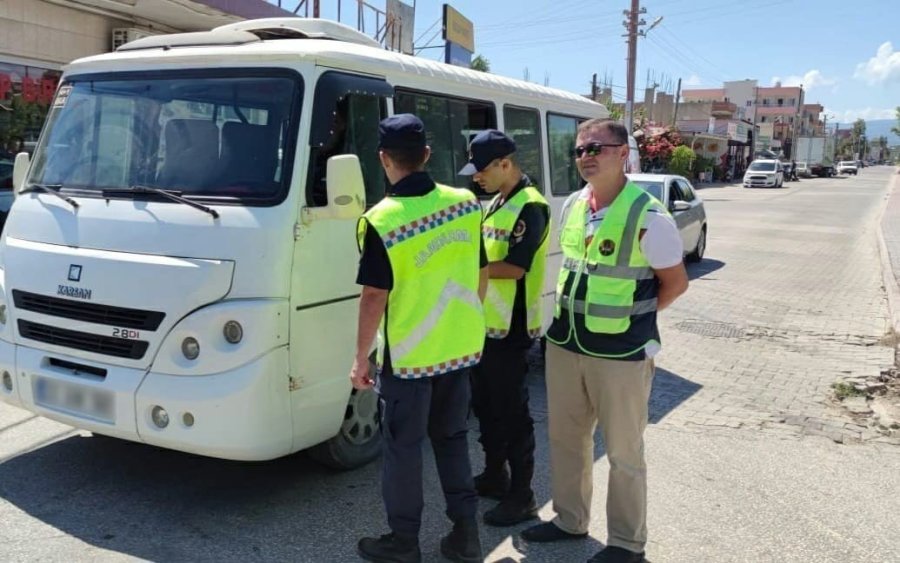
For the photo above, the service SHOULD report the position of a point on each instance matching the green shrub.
(680, 164)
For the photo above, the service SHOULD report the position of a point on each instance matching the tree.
(480, 63)
(896, 130)
(682, 159)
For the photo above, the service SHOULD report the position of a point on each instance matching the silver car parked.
(685, 205)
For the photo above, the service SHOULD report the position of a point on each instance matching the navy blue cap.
(401, 131)
(485, 148)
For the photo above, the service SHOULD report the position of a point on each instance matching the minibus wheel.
(359, 440)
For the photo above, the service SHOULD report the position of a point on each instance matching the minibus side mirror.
(20, 170)
(345, 188)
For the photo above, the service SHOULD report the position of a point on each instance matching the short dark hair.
(411, 160)
(616, 129)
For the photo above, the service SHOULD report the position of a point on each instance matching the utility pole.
(631, 25)
(315, 8)
(677, 98)
(594, 88)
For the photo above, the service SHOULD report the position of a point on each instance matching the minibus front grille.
(88, 312)
(99, 344)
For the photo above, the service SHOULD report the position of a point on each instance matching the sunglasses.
(592, 149)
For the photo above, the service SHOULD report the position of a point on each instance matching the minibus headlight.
(233, 332)
(190, 348)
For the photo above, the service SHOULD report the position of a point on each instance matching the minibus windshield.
(224, 135)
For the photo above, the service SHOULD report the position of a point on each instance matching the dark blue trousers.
(411, 409)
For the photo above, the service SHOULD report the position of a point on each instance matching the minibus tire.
(351, 448)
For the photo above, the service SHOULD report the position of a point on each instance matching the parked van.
(179, 267)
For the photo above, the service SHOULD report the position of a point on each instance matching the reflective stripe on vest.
(434, 321)
(497, 229)
(596, 310)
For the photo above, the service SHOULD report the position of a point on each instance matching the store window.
(26, 93)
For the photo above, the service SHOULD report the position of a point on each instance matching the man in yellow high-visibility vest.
(515, 236)
(423, 272)
(622, 263)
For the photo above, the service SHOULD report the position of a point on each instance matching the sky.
(846, 54)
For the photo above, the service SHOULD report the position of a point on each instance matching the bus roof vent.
(300, 28)
(193, 39)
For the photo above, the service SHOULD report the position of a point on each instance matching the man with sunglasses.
(515, 232)
(622, 263)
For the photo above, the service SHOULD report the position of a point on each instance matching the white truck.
(817, 153)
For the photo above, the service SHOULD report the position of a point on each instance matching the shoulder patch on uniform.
(519, 229)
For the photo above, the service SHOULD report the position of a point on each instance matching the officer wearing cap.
(515, 232)
(423, 272)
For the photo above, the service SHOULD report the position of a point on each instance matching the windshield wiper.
(49, 189)
(174, 196)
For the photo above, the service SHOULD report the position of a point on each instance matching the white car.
(803, 170)
(847, 167)
(764, 174)
(685, 205)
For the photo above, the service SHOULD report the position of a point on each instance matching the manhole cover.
(711, 329)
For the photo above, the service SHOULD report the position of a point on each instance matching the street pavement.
(748, 458)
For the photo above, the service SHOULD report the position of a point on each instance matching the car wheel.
(700, 250)
(359, 440)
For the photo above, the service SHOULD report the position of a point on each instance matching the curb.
(891, 285)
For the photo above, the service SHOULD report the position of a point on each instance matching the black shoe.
(389, 548)
(548, 532)
(613, 554)
(462, 543)
(512, 510)
(494, 484)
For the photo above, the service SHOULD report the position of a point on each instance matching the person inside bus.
(336, 144)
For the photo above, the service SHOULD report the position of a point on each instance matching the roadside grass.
(844, 390)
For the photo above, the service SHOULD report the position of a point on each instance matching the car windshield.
(652, 188)
(762, 167)
(847, 163)
(202, 134)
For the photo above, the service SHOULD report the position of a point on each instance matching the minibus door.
(324, 295)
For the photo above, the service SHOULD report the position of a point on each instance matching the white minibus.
(179, 265)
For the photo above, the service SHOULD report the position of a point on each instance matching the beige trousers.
(583, 391)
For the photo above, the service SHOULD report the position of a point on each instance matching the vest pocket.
(608, 304)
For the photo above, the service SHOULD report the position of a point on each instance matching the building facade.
(39, 37)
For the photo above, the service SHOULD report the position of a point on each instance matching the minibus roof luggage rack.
(193, 39)
(300, 28)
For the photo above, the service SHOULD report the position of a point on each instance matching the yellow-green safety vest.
(434, 322)
(499, 302)
(606, 293)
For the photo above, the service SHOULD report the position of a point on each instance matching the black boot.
(493, 482)
(512, 510)
(462, 543)
(390, 548)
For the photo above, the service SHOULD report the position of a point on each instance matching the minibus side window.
(449, 123)
(564, 177)
(354, 130)
(524, 126)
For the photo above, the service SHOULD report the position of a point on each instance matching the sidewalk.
(889, 245)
